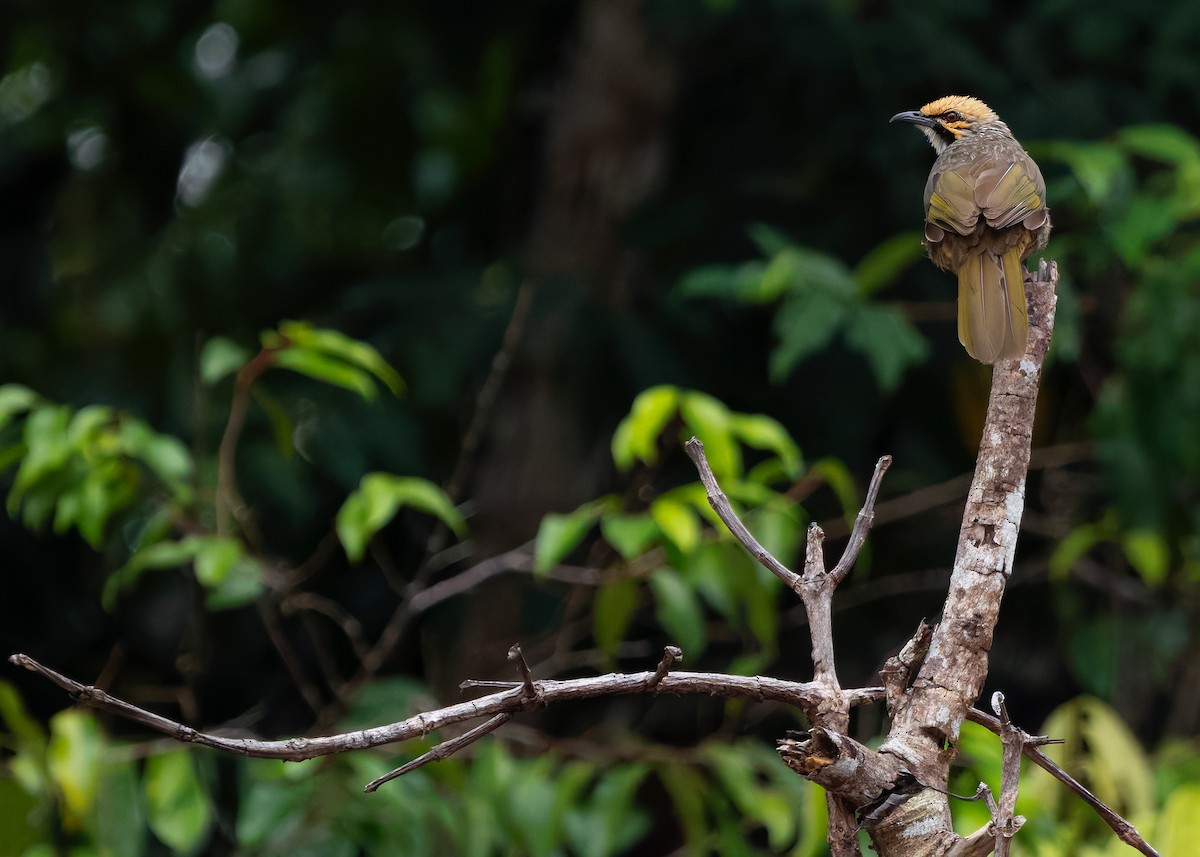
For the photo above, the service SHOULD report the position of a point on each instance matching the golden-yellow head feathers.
(947, 119)
(958, 110)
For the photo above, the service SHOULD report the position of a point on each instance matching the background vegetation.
(688, 217)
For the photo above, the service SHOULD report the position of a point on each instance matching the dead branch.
(514, 698)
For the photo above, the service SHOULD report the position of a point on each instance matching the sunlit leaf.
(330, 370)
(1077, 543)
(376, 501)
(636, 437)
(763, 432)
(15, 399)
(350, 351)
(678, 522)
(177, 806)
(221, 357)
(1178, 828)
(630, 535)
(75, 749)
(711, 422)
(558, 535)
(1148, 553)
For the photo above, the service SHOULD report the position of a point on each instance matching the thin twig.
(804, 695)
(1013, 741)
(287, 654)
(514, 654)
(442, 751)
(336, 613)
(720, 504)
(671, 654)
(1125, 831)
(862, 524)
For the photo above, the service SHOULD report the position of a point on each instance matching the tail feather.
(993, 320)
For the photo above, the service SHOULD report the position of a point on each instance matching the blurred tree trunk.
(604, 154)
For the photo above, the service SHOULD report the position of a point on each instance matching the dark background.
(398, 171)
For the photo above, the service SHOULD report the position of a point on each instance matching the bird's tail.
(993, 320)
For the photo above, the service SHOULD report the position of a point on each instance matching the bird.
(985, 213)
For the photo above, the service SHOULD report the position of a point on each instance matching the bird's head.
(949, 119)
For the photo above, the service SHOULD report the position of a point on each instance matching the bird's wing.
(1008, 191)
(950, 200)
(1011, 192)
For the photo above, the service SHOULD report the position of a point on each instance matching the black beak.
(915, 117)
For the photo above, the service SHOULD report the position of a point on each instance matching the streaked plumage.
(985, 213)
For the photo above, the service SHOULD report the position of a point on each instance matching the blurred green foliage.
(548, 218)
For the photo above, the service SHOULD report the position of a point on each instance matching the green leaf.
(804, 324)
(711, 422)
(1078, 542)
(120, 823)
(177, 806)
(723, 281)
(342, 347)
(283, 429)
(613, 609)
(19, 810)
(763, 432)
(1146, 221)
(890, 344)
(47, 449)
(1169, 144)
(1178, 827)
(29, 735)
(376, 501)
(221, 357)
(1149, 554)
(165, 554)
(716, 569)
(769, 240)
(327, 369)
(610, 822)
(636, 437)
(214, 558)
(678, 522)
(630, 535)
(687, 788)
(558, 535)
(75, 749)
(15, 399)
(165, 456)
(1100, 168)
(884, 263)
(679, 611)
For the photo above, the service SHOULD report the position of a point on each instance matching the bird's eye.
(951, 116)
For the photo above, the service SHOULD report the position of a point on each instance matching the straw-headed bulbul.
(985, 213)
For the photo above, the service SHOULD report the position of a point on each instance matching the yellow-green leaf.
(177, 806)
(636, 437)
(376, 501)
